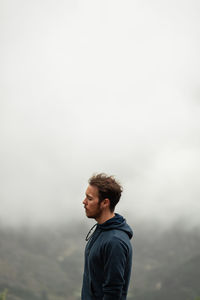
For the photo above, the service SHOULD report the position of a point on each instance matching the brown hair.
(108, 187)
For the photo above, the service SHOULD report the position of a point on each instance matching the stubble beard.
(96, 215)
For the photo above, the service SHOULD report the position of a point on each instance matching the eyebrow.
(88, 195)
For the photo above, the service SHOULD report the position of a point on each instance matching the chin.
(87, 214)
(90, 216)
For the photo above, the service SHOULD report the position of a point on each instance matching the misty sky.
(99, 86)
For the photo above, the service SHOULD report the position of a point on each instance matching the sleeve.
(115, 258)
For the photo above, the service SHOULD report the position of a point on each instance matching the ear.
(106, 203)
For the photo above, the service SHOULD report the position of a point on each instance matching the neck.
(105, 217)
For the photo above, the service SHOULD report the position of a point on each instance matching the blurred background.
(99, 86)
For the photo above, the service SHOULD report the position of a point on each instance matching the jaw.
(94, 215)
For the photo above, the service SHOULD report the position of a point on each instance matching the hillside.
(47, 263)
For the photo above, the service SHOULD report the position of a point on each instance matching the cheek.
(92, 206)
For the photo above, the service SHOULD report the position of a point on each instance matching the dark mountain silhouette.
(46, 263)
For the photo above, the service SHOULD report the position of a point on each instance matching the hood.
(117, 222)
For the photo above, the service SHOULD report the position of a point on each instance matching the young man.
(108, 253)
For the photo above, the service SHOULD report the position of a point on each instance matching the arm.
(115, 258)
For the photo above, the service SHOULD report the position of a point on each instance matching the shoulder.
(115, 236)
(115, 240)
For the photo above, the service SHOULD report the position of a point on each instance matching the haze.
(99, 86)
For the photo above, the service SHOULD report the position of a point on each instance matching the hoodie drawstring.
(89, 235)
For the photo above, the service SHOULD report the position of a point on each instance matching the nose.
(84, 201)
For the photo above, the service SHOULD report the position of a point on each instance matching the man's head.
(102, 195)
(108, 188)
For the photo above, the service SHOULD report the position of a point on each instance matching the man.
(108, 253)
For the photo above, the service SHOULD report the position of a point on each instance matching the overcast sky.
(99, 86)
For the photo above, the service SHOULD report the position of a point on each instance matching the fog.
(99, 86)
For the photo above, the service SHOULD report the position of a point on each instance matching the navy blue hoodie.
(108, 260)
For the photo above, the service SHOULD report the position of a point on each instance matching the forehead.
(92, 191)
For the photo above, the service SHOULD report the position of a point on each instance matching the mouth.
(86, 211)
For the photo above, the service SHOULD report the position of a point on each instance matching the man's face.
(91, 202)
